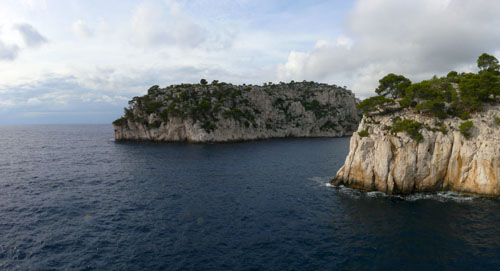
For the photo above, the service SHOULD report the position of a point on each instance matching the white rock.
(398, 164)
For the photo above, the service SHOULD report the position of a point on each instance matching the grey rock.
(238, 113)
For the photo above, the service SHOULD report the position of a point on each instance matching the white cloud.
(294, 66)
(187, 33)
(175, 7)
(123, 49)
(416, 38)
(153, 25)
(82, 30)
(34, 3)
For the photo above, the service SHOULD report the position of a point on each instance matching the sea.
(72, 198)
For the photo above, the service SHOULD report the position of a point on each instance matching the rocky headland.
(381, 159)
(439, 134)
(222, 112)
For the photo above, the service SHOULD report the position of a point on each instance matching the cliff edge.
(444, 158)
(221, 112)
(438, 134)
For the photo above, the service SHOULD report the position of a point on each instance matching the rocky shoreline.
(444, 159)
(221, 112)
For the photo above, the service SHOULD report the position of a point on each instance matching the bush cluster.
(363, 133)
(465, 128)
(456, 95)
(497, 120)
(318, 109)
(205, 103)
(411, 127)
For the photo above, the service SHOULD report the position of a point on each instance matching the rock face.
(221, 112)
(442, 160)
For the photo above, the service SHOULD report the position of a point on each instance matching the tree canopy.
(487, 62)
(453, 95)
(393, 86)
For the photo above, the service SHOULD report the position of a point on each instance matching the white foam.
(324, 180)
(441, 196)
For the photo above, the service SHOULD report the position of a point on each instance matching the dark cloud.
(8, 52)
(417, 38)
(31, 37)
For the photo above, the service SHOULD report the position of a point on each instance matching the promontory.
(438, 134)
(223, 112)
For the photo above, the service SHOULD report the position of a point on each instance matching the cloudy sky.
(80, 61)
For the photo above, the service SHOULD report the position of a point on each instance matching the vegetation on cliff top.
(455, 95)
(207, 103)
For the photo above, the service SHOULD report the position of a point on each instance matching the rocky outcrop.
(221, 112)
(442, 159)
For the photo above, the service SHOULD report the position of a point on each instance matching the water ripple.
(72, 199)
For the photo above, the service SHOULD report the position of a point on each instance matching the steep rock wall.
(220, 112)
(397, 163)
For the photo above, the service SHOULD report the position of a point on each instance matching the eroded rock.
(396, 163)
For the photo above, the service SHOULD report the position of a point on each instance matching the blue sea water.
(73, 199)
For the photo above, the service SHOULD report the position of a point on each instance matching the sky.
(80, 61)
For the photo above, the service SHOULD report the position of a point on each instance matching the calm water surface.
(73, 199)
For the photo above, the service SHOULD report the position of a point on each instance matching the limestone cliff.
(221, 112)
(443, 155)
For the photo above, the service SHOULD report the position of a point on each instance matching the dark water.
(72, 199)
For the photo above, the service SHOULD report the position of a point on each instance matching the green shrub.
(236, 93)
(208, 126)
(363, 133)
(438, 96)
(434, 107)
(314, 105)
(393, 85)
(235, 113)
(328, 126)
(278, 102)
(184, 95)
(153, 90)
(497, 120)
(203, 107)
(442, 128)
(465, 128)
(464, 115)
(452, 74)
(156, 124)
(121, 121)
(410, 127)
(318, 109)
(164, 115)
(152, 107)
(376, 103)
(128, 113)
